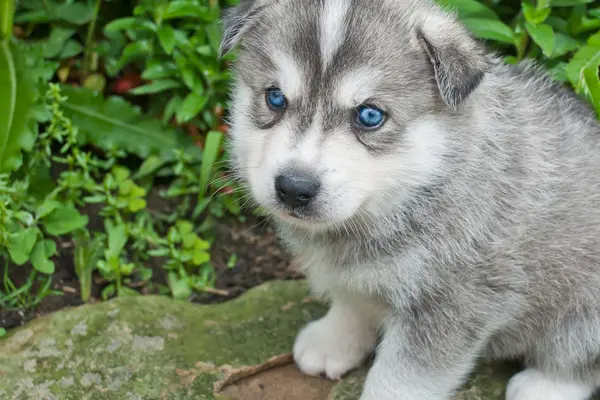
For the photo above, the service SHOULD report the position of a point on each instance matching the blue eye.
(275, 99)
(369, 116)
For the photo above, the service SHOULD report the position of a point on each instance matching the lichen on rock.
(153, 347)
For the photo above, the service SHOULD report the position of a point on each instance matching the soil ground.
(258, 259)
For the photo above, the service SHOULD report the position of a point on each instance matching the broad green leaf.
(581, 58)
(166, 37)
(117, 238)
(136, 204)
(116, 124)
(72, 48)
(191, 106)
(590, 81)
(86, 256)
(595, 13)
(170, 109)
(469, 9)
(21, 244)
(46, 208)
(64, 219)
(563, 44)
(535, 15)
(56, 41)
(75, 13)
(569, 3)
(212, 148)
(41, 254)
(134, 51)
(32, 16)
(149, 166)
(188, 72)
(490, 29)
(162, 252)
(159, 70)
(200, 257)
(186, 8)
(25, 217)
(543, 35)
(17, 96)
(108, 292)
(155, 87)
(122, 24)
(180, 288)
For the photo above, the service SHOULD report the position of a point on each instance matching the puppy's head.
(338, 105)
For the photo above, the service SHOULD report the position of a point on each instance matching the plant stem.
(7, 11)
(87, 57)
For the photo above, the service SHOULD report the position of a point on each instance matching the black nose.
(295, 191)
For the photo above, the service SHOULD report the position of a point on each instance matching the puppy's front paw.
(333, 346)
(532, 384)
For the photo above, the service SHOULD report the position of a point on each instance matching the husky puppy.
(436, 196)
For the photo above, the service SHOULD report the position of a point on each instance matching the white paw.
(532, 384)
(333, 345)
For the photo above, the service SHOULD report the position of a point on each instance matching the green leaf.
(212, 148)
(55, 43)
(25, 217)
(569, 3)
(108, 292)
(191, 106)
(121, 24)
(72, 48)
(200, 257)
(180, 288)
(581, 58)
(2, 332)
(149, 166)
(20, 245)
(127, 269)
(46, 208)
(590, 82)
(172, 106)
(186, 8)
(490, 29)
(188, 72)
(159, 70)
(162, 252)
(40, 256)
(64, 219)
(156, 87)
(117, 238)
(116, 124)
(134, 51)
(18, 94)
(543, 35)
(563, 44)
(469, 9)
(166, 37)
(535, 15)
(75, 13)
(136, 204)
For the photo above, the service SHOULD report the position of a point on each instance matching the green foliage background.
(109, 101)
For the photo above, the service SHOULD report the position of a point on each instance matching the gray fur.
(493, 250)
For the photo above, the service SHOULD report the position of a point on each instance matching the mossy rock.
(152, 347)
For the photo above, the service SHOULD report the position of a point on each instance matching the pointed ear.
(236, 22)
(459, 61)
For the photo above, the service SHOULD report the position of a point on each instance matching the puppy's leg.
(428, 354)
(341, 340)
(563, 364)
(532, 384)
